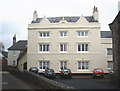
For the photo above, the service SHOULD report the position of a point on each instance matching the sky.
(17, 14)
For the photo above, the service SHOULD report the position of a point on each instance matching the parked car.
(65, 73)
(34, 70)
(49, 73)
(98, 72)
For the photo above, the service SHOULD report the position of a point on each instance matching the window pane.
(86, 65)
(83, 65)
(86, 33)
(61, 47)
(40, 34)
(82, 33)
(65, 47)
(40, 47)
(83, 47)
(48, 34)
(109, 51)
(110, 64)
(86, 47)
(65, 33)
(79, 47)
(79, 65)
(47, 47)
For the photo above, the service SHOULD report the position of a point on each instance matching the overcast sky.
(17, 14)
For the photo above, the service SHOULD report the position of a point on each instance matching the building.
(115, 28)
(15, 50)
(73, 42)
(3, 58)
(22, 60)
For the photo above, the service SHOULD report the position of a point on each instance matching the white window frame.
(43, 34)
(82, 47)
(63, 64)
(44, 48)
(82, 33)
(63, 34)
(108, 65)
(63, 47)
(109, 53)
(82, 64)
(42, 65)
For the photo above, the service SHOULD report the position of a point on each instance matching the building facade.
(68, 42)
(115, 28)
(15, 50)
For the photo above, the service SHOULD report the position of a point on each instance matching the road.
(86, 83)
(11, 82)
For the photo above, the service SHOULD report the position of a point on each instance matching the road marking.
(4, 83)
(4, 72)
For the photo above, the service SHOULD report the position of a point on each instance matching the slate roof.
(68, 19)
(20, 45)
(5, 54)
(106, 34)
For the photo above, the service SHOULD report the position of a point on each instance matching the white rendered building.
(73, 42)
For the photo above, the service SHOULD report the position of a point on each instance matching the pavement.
(9, 81)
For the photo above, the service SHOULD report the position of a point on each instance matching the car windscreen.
(66, 70)
(98, 70)
(34, 69)
(50, 70)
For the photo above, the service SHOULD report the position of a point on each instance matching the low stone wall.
(38, 80)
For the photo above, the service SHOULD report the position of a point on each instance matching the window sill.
(82, 52)
(43, 52)
(63, 52)
(82, 70)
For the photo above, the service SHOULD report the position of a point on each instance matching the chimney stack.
(35, 15)
(118, 6)
(14, 39)
(95, 13)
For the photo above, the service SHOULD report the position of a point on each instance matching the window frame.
(43, 64)
(82, 47)
(64, 64)
(63, 47)
(44, 48)
(80, 64)
(109, 65)
(82, 33)
(63, 34)
(109, 52)
(44, 34)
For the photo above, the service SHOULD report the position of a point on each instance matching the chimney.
(14, 39)
(35, 16)
(95, 13)
(118, 6)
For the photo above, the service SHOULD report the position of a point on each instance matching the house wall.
(115, 28)
(12, 57)
(96, 56)
(21, 62)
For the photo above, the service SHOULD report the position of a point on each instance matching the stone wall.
(115, 28)
(38, 80)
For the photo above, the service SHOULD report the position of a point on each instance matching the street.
(11, 82)
(86, 83)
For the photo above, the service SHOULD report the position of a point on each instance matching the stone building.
(15, 50)
(115, 28)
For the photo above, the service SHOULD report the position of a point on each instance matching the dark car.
(34, 70)
(65, 73)
(49, 73)
(98, 72)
